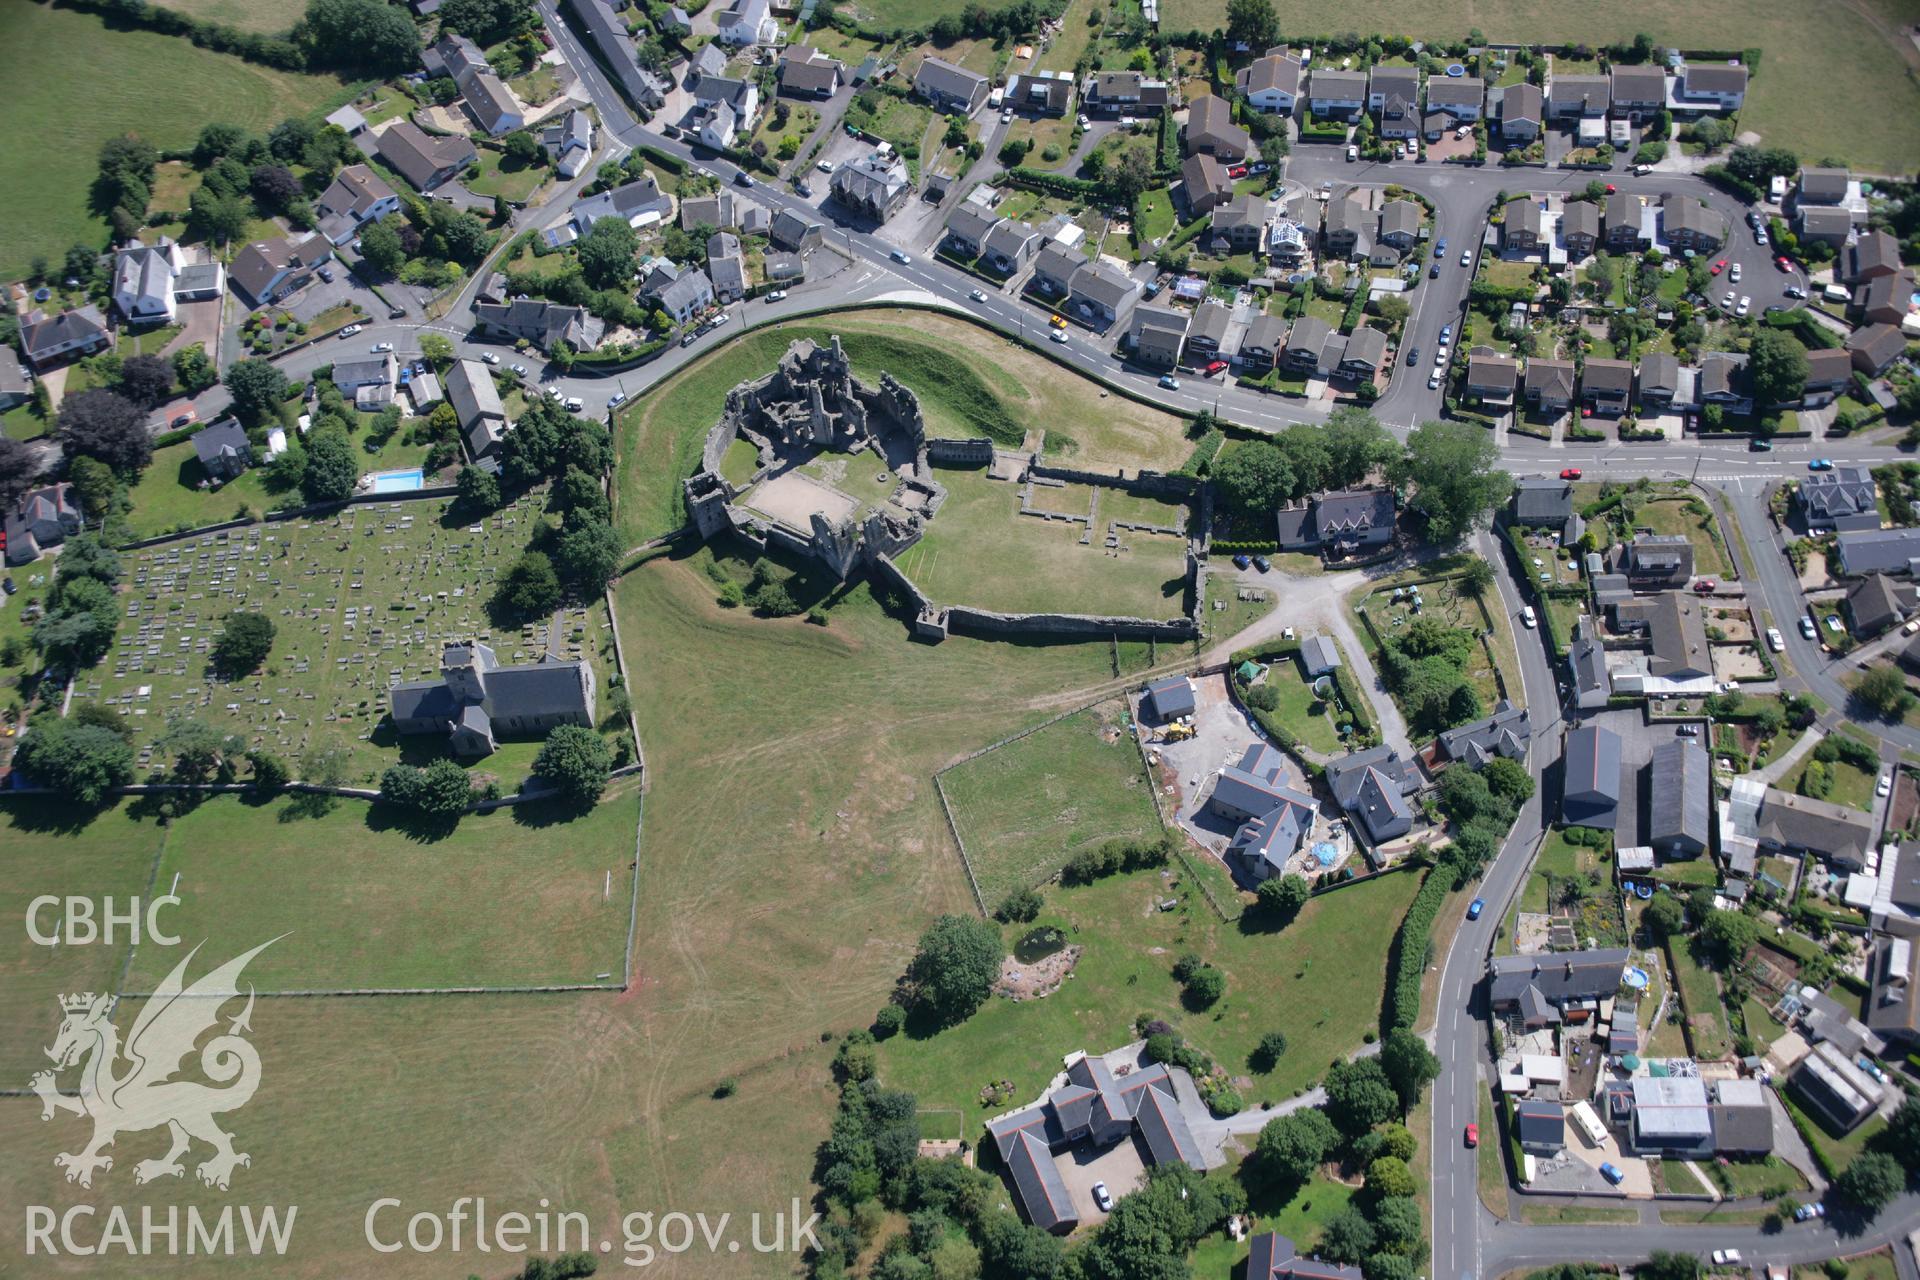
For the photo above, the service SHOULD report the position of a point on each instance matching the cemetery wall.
(296, 513)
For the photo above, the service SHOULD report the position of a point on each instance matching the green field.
(1320, 981)
(970, 381)
(270, 16)
(1832, 80)
(1025, 808)
(979, 550)
(72, 83)
(517, 896)
(360, 598)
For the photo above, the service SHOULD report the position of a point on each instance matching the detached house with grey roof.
(1158, 336)
(1211, 131)
(1339, 95)
(222, 449)
(873, 185)
(1267, 797)
(1339, 523)
(1102, 293)
(1518, 107)
(1606, 386)
(1271, 84)
(42, 519)
(1539, 988)
(46, 338)
(476, 700)
(1542, 502)
(1874, 254)
(1040, 93)
(1578, 96)
(1592, 778)
(1550, 385)
(1129, 93)
(1204, 184)
(423, 159)
(1454, 101)
(950, 88)
(1372, 787)
(1843, 498)
(1709, 86)
(1523, 226)
(1505, 734)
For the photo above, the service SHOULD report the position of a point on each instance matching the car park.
(1170, 382)
(1475, 907)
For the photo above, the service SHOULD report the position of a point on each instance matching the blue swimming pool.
(399, 481)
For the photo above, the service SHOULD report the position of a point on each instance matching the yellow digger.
(1175, 733)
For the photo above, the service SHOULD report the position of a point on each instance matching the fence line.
(966, 863)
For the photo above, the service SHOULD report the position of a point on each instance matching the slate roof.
(1504, 733)
(222, 441)
(419, 156)
(1172, 697)
(355, 190)
(1876, 604)
(1268, 333)
(1456, 91)
(970, 223)
(1712, 77)
(1685, 213)
(1520, 102)
(1801, 822)
(805, 69)
(1592, 772)
(1210, 120)
(1612, 378)
(1593, 93)
(1659, 375)
(1571, 975)
(1372, 786)
(44, 333)
(1847, 490)
(1540, 1123)
(1550, 379)
(1581, 218)
(1366, 346)
(1275, 72)
(1877, 345)
(1309, 333)
(1645, 83)
(1878, 550)
(1681, 802)
(1823, 185)
(937, 76)
(1540, 500)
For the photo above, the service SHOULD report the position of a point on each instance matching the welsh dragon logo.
(144, 1094)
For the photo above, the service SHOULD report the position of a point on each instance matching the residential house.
(1305, 342)
(1506, 734)
(708, 60)
(82, 331)
(150, 281)
(1829, 373)
(1271, 84)
(1539, 988)
(1876, 604)
(476, 700)
(1540, 1126)
(496, 107)
(1400, 226)
(1520, 112)
(455, 58)
(1453, 101)
(1550, 385)
(1874, 254)
(1887, 299)
(1349, 228)
(1338, 523)
(1007, 247)
(1795, 824)
(1843, 498)
(1670, 1117)
(1265, 795)
(1491, 377)
(368, 380)
(1606, 386)
(1709, 86)
(1830, 1085)
(1587, 668)
(1580, 228)
(874, 185)
(1659, 382)
(1656, 561)
(1365, 355)
(726, 267)
(1523, 225)
(747, 22)
(1680, 798)
(1101, 293)
(1626, 223)
(1875, 348)
(950, 88)
(1123, 93)
(423, 159)
(223, 449)
(1592, 778)
(1578, 97)
(1040, 93)
(1169, 699)
(785, 268)
(1829, 224)
(1690, 224)
(681, 292)
(1372, 787)
(1054, 267)
(1240, 225)
(805, 72)
(1895, 551)
(1821, 185)
(15, 389)
(1742, 1119)
(741, 97)
(1892, 1010)
(1723, 380)
(1541, 502)
(266, 271)
(714, 123)
(607, 31)
(1676, 634)
(545, 324)
(968, 227)
(1209, 328)
(42, 519)
(1639, 93)
(640, 203)
(1204, 184)
(476, 400)
(1261, 342)
(1211, 131)
(354, 198)
(714, 212)
(1393, 96)
(1339, 95)
(794, 233)
(1273, 1256)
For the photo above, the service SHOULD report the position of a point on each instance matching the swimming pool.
(1635, 979)
(399, 481)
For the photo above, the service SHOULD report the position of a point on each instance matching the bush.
(1018, 907)
(1111, 857)
(1263, 697)
(888, 1021)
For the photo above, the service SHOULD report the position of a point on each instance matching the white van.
(1527, 616)
(1836, 293)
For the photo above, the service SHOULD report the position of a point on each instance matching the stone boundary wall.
(985, 621)
(295, 513)
(1147, 484)
(959, 452)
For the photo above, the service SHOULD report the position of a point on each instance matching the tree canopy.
(244, 643)
(577, 762)
(1452, 468)
(955, 967)
(82, 762)
(108, 426)
(1252, 476)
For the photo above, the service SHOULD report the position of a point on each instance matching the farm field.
(360, 599)
(517, 896)
(1024, 808)
(1320, 981)
(1832, 81)
(970, 381)
(979, 550)
(160, 86)
(270, 16)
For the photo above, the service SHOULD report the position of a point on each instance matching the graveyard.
(362, 600)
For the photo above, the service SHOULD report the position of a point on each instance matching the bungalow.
(1539, 987)
(1158, 336)
(1365, 355)
(81, 331)
(1659, 382)
(1210, 323)
(1457, 100)
(1211, 131)
(1271, 84)
(950, 88)
(640, 203)
(1676, 634)
(545, 324)
(1578, 97)
(1041, 93)
(1008, 246)
(1319, 656)
(805, 72)
(874, 185)
(1372, 787)
(1523, 225)
(968, 227)
(348, 121)
(423, 159)
(1339, 95)
(223, 449)
(714, 212)
(1550, 385)
(1519, 109)
(1580, 228)
(1241, 223)
(1712, 86)
(1606, 386)
(1169, 699)
(726, 267)
(354, 198)
(1895, 551)
(1625, 223)
(1874, 254)
(1843, 498)
(1339, 523)
(1273, 1256)
(43, 518)
(1204, 184)
(1829, 372)
(1540, 1126)
(747, 22)
(1876, 604)
(497, 109)
(1260, 345)
(1639, 92)
(1887, 299)
(268, 270)
(1304, 344)
(1506, 733)
(1541, 502)
(681, 292)
(1347, 222)
(1492, 377)
(1875, 348)
(1591, 794)
(476, 401)
(1123, 93)
(1795, 824)
(1101, 293)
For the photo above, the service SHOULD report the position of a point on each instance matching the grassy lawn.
(965, 376)
(1742, 1178)
(1309, 981)
(24, 422)
(1692, 519)
(162, 87)
(1441, 600)
(1508, 275)
(1023, 809)
(1841, 1148)
(980, 550)
(500, 176)
(1700, 993)
(1300, 710)
(1681, 1180)
(379, 909)
(168, 495)
(1156, 216)
(1490, 1166)
(1831, 82)
(271, 16)
(1877, 1265)
(1575, 1214)
(412, 583)
(148, 342)
(1852, 786)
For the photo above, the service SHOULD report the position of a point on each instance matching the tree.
(198, 749)
(1509, 780)
(274, 187)
(257, 388)
(478, 491)
(364, 34)
(1884, 689)
(1347, 1236)
(444, 791)
(577, 762)
(1452, 468)
(19, 468)
(606, 252)
(216, 140)
(1409, 1065)
(243, 644)
(1205, 987)
(1267, 1054)
(955, 967)
(1019, 907)
(1665, 916)
(108, 426)
(146, 380)
(270, 772)
(1663, 1265)
(1285, 895)
(522, 148)
(1253, 23)
(587, 555)
(1359, 1096)
(220, 218)
(1389, 1176)
(1729, 934)
(485, 22)
(193, 369)
(531, 589)
(1355, 444)
(435, 348)
(1291, 1147)
(81, 762)
(1776, 367)
(1252, 476)
(331, 470)
(1871, 1181)
(381, 249)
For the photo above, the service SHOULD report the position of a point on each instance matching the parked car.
(1413, 356)
(380, 348)
(823, 166)
(1170, 382)
(1885, 786)
(1473, 1135)
(778, 295)
(325, 273)
(1475, 907)
(1688, 731)
(614, 400)
(1794, 291)
(1102, 1197)
(1466, 257)
(1727, 300)
(691, 337)
(1057, 321)
(350, 330)
(740, 179)
(1440, 358)
(1641, 170)
(1242, 562)
(1611, 1172)
(574, 404)
(1433, 383)
(182, 420)
(489, 357)
(1782, 263)
(1446, 330)
(1262, 564)
(1806, 627)
(8, 585)
(1733, 273)
(520, 370)
(1775, 641)
(1433, 272)
(1213, 367)
(1570, 473)
(1528, 616)
(1834, 623)
(1726, 1257)
(1705, 586)
(1082, 121)
(1746, 305)
(1353, 153)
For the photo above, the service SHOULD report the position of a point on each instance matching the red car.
(1571, 473)
(1705, 585)
(1716, 268)
(1609, 188)
(1782, 263)
(1473, 1135)
(1238, 171)
(1218, 366)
